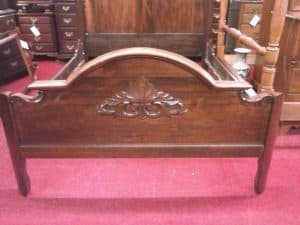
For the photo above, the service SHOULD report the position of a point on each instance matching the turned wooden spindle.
(221, 32)
(272, 51)
(245, 40)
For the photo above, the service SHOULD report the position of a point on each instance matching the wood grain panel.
(106, 16)
(185, 44)
(172, 16)
(75, 120)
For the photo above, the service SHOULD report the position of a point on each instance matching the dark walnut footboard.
(139, 102)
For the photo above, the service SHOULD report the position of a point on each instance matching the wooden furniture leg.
(19, 162)
(264, 160)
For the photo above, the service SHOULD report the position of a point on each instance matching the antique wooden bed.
(148, 102)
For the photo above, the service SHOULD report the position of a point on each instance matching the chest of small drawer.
(67, 23)
(7, 22)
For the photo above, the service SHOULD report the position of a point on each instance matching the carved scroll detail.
(142, 100)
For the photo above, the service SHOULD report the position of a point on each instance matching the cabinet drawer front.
(48, 38)
(43, 28)
(251, 8)
(8, 50)
(43, 48)
(67, 20)
(11, 65)
(68, 33)
(246, 18)
(68, 46)
(35, 19)
(7, 23)
(65, 8)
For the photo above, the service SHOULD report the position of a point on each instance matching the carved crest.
(142, 100)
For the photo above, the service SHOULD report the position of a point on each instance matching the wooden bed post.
(264, 160)
(221, 32)
(18, 161)
(266, 81)
(265, 85)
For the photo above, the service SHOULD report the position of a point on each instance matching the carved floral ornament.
(142, 100)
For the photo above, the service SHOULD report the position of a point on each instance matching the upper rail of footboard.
(162, 55)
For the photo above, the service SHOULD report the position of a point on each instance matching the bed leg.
(19, 164)
(18, 160)
(264, 160)
(262, 173)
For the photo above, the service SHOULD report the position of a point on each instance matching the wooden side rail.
(141, 52)
(75, 62)
(245, 40)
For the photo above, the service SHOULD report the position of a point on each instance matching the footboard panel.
(140, 102)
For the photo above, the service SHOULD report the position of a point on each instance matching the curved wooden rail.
(152, 53)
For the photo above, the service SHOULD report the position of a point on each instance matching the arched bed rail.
(142, 52)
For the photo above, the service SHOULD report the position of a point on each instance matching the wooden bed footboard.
(139, 102)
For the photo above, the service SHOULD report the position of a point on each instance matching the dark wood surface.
(41, 15)
(146, 102)
(175, 109)
(14, 61)
(147, 23)
(288, 69)
(70, 24)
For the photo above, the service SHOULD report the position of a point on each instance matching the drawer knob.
(67, 20)
(70, 47)
(69, 34)
(9, 21)
(38, 47)
(37, 38)
(6, 51)
(13, 64)
(66, 8)
(34, 20)
(294, 62)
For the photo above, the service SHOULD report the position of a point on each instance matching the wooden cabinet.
(248, 10)
(11, 61)
(240, 14)
(39, 15)
(288, 72)
(7, 21)
(67, 21)
(288, 69)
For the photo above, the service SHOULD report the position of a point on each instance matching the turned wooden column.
(221, 32)
(266, 79)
